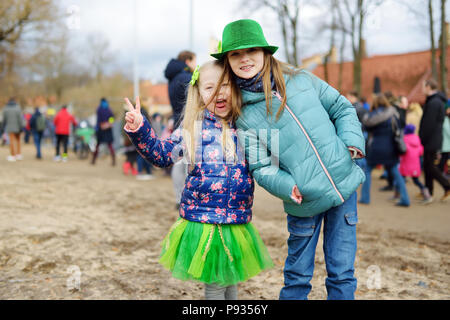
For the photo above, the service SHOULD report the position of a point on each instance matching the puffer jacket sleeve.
(341, 112)
(161, 153)
(269, 176)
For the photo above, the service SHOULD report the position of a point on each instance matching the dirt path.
(60, 220)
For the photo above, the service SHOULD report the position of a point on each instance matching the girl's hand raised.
(133, 117)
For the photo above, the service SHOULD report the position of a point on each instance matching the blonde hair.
(194, 114)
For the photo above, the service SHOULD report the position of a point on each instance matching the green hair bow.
(195, 75)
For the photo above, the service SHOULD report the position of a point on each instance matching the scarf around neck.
(253, 84)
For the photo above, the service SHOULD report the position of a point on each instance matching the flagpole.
(135, 52)
(191, 33)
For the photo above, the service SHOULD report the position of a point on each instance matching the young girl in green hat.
(314, 135)
(213, 241)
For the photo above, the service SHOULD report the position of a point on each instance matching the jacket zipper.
(312, 145)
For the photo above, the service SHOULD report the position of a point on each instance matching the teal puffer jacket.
(306, 147)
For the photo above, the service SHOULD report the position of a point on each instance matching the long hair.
(271, 66)
(380, 100)
(194, 111)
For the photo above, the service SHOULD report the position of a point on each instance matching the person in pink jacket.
(410, 161)
(62, 121)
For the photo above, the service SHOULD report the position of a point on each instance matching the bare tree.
(443, 49)
(55, 66)
(333, 28)
(99, 55)
(20, 20)
(433, 45)
(288, 13)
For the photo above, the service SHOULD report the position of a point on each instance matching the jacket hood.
(412, 140)
(439, 95)
(173, 68)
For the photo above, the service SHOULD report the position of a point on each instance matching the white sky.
(163, 29)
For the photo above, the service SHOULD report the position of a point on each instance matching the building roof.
(402, 74)
(159, 92)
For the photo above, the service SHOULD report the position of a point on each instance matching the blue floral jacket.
(217, 190)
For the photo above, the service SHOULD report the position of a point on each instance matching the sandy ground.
(60, 222)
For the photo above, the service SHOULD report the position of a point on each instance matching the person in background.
(84, 134)
(38, 123)
(381, 148)
(410, 162)
(179, 72)
(13, 124)
(413, 115)
(105, 120)
(62, 122)
(445, 150)
(27, 128)
(144, 168)
(430, 132)
(365, 103)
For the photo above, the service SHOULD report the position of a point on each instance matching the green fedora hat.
(242, 34)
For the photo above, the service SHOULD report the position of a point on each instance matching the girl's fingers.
(138, 104)
(129, 105)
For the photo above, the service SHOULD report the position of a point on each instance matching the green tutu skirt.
(219, 254)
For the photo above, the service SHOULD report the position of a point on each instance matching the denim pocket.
(351, 218)
(300, 227)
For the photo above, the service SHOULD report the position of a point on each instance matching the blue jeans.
(143, 165)
(399, 184)
(339, 247)
(37, 137)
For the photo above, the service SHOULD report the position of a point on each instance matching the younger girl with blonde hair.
(213, 240)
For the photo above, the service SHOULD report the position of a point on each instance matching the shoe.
(57, 158)
(64, 159)
(19, 157)
(419, 196)
(386, 188)
(145, 177)
(446, 196)
(427, 201)
(363, 202)
(134, 172)
(394, 199)
(401, 204)
(11, 158)
(126, 167)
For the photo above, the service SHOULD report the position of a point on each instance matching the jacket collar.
(213, 118)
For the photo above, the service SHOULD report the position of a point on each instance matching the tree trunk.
(433, 45)
(357, 70)
(443, 48)
(341, 62)
(332, 43)
(294, 42)
(285, 40)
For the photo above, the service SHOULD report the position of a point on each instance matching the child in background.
(410, 161)
(213, 240)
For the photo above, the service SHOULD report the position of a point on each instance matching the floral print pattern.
(216, 191)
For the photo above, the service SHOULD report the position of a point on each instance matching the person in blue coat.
(103, 128)
(301, 139)
(37, 126)
(381, 148)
